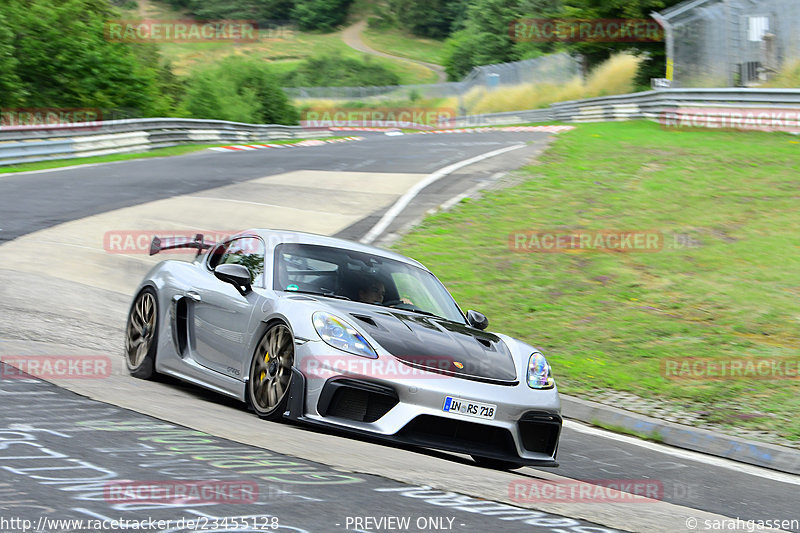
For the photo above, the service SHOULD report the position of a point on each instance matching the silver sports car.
(335, 333)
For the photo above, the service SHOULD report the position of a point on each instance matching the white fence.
(767, 109)
(32, 144)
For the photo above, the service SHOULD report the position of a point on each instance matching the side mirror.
(477, 320)
(236, 275)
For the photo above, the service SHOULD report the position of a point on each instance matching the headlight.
(539, 376)
(339, 334)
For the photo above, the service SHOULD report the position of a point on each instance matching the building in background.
(728, 43)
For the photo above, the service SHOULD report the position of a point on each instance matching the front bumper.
(405, 405)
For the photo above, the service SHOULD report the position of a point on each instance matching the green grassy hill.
(285, 48)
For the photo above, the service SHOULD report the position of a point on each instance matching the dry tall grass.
(614, 76)
(787, 78)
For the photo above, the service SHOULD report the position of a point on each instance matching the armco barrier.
(651, 105)
(32, 144)
(25, 144)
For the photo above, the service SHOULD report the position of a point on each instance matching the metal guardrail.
(651, 105)
(23, 144)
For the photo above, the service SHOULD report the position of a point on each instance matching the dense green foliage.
(484, 35)
(10, 84)
(241, 90)
(331, 70)
(322, 15)
(260, 10)
(426, 18)
(478, 31)
(53, 53)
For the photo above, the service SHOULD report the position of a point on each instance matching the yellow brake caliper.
(266, 360)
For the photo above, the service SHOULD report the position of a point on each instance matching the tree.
(336, 70)
(484, 34)
(428, 18)
(323, 15)
(485, 37)
(595, 53)
(11, 92)
(240, 90)
(62, 58)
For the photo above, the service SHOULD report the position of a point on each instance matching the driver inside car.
(372, 291)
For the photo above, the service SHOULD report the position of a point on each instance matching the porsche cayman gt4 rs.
(335, 333)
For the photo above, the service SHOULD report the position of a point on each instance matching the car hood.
(433, 343)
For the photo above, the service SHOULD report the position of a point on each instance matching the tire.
(141, 335)
(271, 373)
(495, 464)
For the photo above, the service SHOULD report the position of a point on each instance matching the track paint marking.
(404, 200)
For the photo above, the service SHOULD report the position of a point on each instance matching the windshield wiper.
(326, 294)
(419, 311)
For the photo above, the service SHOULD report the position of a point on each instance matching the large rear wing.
(171, 243)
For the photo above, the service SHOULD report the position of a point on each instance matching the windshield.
(361, 277)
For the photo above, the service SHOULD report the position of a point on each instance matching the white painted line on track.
(404, 200)
(258, 203)
(686, 454)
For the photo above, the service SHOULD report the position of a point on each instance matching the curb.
(485, 129)
(738, 449)
(307, 142)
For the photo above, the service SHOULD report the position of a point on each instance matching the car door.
(221, 313)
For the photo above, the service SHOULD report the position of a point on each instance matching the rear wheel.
(271, 373)
(496, 464)
(141, 334)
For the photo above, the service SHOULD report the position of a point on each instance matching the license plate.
(469, 408)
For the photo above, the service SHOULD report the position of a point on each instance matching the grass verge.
(398, 43)
(724, 286)
(283, 48)
(58, 163)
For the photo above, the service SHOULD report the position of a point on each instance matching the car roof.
(273, 237)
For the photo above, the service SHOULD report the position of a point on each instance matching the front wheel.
(496, 464)
(141, 335)
(271, 373)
